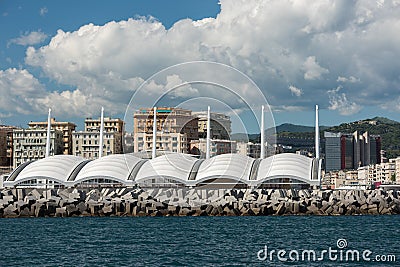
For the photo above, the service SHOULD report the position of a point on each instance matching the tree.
(393, 178)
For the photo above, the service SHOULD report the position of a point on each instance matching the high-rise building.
(176, 128)
(30, 144)
(351, 151)
(375, 149)
(6, 146)
(348, 151)
(86, 143)
(332, 151)
(220, 125)
(66, 127)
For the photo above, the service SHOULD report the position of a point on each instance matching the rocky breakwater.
(194, 202)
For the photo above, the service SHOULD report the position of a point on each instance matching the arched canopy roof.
(286, 165)
(175, 166)
(56, 168)
(115, 167)
(233, 166)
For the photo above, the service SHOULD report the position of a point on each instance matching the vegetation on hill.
(389, 130)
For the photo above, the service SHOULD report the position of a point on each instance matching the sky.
(77, 56)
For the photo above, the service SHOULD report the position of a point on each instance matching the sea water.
(201, 241)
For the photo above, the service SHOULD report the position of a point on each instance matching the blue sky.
(76, 56)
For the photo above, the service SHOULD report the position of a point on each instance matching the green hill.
(389, 131)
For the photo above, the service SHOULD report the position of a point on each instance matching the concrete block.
(81, 206)
(39, 210)
(61, 212)
(9, 198)
(10, 212)
(281, 209)
(24, 212)
(71, 210)
(108, 210)
(63, 193)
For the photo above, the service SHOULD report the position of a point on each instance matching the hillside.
(389, 131)
(293, 128)
(288, 134)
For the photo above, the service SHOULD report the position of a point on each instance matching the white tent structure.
(168, 170)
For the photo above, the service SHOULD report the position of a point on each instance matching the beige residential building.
(174, 142)
(66, 127)
(385, 171)
(86, 143)
(217, 147)
(30, 144)
(254, 150)
(220, 125)
(110, 125)
(397, 161)
(381, 173)
(176, 126)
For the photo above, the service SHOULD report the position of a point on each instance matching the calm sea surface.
(195, 241)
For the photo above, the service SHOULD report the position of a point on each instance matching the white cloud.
(312, 70)
(393, 105)
(295, 91)
(179, 87)
(43, 11)
(338, 101)
(19, 91)
(314, 45)
(31, 38)
(350, 79)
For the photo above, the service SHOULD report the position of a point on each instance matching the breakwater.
(194, 202)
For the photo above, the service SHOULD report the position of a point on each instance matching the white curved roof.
(285, 165)
(234, 166)
(70, 170)
(116, 167)
(57, 168)
(175, 166)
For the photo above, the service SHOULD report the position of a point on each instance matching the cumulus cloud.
(317, 46)
(295, 91)
(19, 91)
(338, 101)
(312, 70)
(31, 38)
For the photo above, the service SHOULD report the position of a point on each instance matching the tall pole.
(153, 152)
(262, 132)
(316, 133)
(48, 134)
(317, 159)
(101, 133)
(208, 133)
